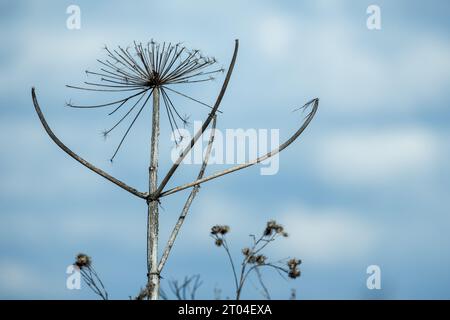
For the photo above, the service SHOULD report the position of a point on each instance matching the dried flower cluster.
(89, 275)
(220, 230)
(141, 69)
(259, 259)
(294, 272)
(274, 227)
(83, 260)
(253, 258)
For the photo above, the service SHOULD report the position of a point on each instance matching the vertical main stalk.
(153, 215)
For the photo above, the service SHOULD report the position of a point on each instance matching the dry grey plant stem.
(254, 259)
(151, 71)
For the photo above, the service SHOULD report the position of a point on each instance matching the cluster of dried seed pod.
(222, 230)
(82, 260)
(252, 258)
(273, 227)
(293, 264)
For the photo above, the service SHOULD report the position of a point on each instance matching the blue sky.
(367, 183)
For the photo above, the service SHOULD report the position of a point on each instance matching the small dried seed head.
(83, 260)
(246, 251)
(219, 242)
(294, 273)
(293, 263)
(273, 226)
(225, 229)
(261, 259)
(220, 230)
(215, 230)
(267, 232)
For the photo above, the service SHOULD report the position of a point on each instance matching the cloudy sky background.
(367, 183)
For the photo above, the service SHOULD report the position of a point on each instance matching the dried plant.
(84, 264)
(151, 70)
(254, 259)
(185, 290)
(144, 70)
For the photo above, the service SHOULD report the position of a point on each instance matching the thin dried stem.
(72, 154)
(309, 117)
(189, 201)
(265, 291)
(204, 126)
(187, 289)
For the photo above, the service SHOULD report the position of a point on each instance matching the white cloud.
(275, 35)
(115, 226)
(17, 279)
(210, 210)
(371, 156)
(332, 59)
(326, 235)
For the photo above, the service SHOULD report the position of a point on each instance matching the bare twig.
(309, 117)
(85, 163)
(230, 259)
(187, 289)
(265, 291)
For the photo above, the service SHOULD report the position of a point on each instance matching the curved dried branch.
(204, 126)
(309, 117)
(189, 200)
(77, 157)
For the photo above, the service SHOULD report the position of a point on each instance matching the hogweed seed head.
(139, 70)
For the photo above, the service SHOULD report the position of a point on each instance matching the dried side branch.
(265, 292)
(85, 163)
(84, 265)
(204, 126)
(186, 289)
(189, 200)
(308, 119)
(253, 259)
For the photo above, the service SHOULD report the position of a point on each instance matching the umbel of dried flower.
(138, 70)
